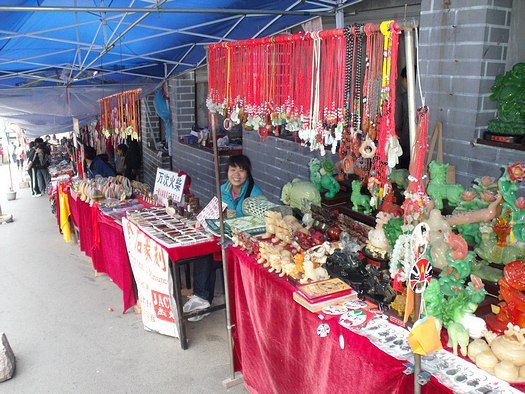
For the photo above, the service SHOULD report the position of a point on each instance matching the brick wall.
(150, 126)
(198, 163)
(277, 161)
(182, 104)
(463, 46)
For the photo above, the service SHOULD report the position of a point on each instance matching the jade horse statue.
(439, 190)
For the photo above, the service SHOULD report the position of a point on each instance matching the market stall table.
(278, 350)
(102, 239)
(158, 289)
(183, 256)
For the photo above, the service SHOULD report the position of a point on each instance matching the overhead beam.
(125, 71)
(276, 19)
(231, 11)
(53, 39)
(112, 44)
(167, 32)
(10, 60)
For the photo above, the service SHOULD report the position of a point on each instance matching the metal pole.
(411, 86)
(411, 93)
(417, 357)
(234, 11)
(339, 16)
(232, 380)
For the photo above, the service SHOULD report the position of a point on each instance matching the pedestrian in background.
(35, 191)
(41, 164)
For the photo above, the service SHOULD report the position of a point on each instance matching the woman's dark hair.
(123, 148)
(90, 152)
(242, 162)
(245, 164)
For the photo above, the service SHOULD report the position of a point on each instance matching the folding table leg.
(187, 274)
(181, 322)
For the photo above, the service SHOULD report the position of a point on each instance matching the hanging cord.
(418, 68)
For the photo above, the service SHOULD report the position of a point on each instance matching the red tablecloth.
(278, 350)
(102, 239)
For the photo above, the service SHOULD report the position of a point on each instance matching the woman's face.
(237, 176)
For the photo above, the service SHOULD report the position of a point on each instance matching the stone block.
(486, 84)
(432, 19)
(503, 3)
(468, 50)
(492, 52)
(483, 118)
(7, 359)
(496, 17)
(494, 69)
(462, 85)
(487, 104)
(470, 16)
(499, 34)
(458, 34)
(447, 4)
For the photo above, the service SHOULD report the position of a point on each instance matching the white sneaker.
(36, 195)
(198, 317)
(195, 303)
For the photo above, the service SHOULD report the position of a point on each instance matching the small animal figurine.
(322, 177)
(439, 190)
(358, 199)
(399, 176)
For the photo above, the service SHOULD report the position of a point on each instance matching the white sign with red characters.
(168, 185)
(150, 265)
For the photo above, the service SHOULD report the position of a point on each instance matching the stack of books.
(318, 295)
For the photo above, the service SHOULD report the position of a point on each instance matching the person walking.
(20, 157)
(41, 164)
(31, 171)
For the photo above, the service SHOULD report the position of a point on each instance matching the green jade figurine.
(509, 92)
(321, 175)
(439, 190)
(448, 298)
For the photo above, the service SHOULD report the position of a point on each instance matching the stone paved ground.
(55, 314)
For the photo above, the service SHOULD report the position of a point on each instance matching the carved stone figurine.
(439, 231)
(322, 177)
(299, 193)
(439, 189)
(358, 199)
(509, 92)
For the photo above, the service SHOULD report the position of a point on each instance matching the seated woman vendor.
(240, 185)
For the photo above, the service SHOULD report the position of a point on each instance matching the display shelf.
(498, 144)
(222, 151)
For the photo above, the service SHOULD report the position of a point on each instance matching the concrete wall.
(463, 47)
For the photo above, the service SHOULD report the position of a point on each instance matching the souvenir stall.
(96, 208)
(332, 302)
(160, 242)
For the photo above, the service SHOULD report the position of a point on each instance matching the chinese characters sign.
(168, 184)
(150, 265)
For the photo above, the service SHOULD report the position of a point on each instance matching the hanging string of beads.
(312, 84)
(416, 198)
(120, 115)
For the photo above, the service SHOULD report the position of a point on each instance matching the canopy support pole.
(232, 380)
